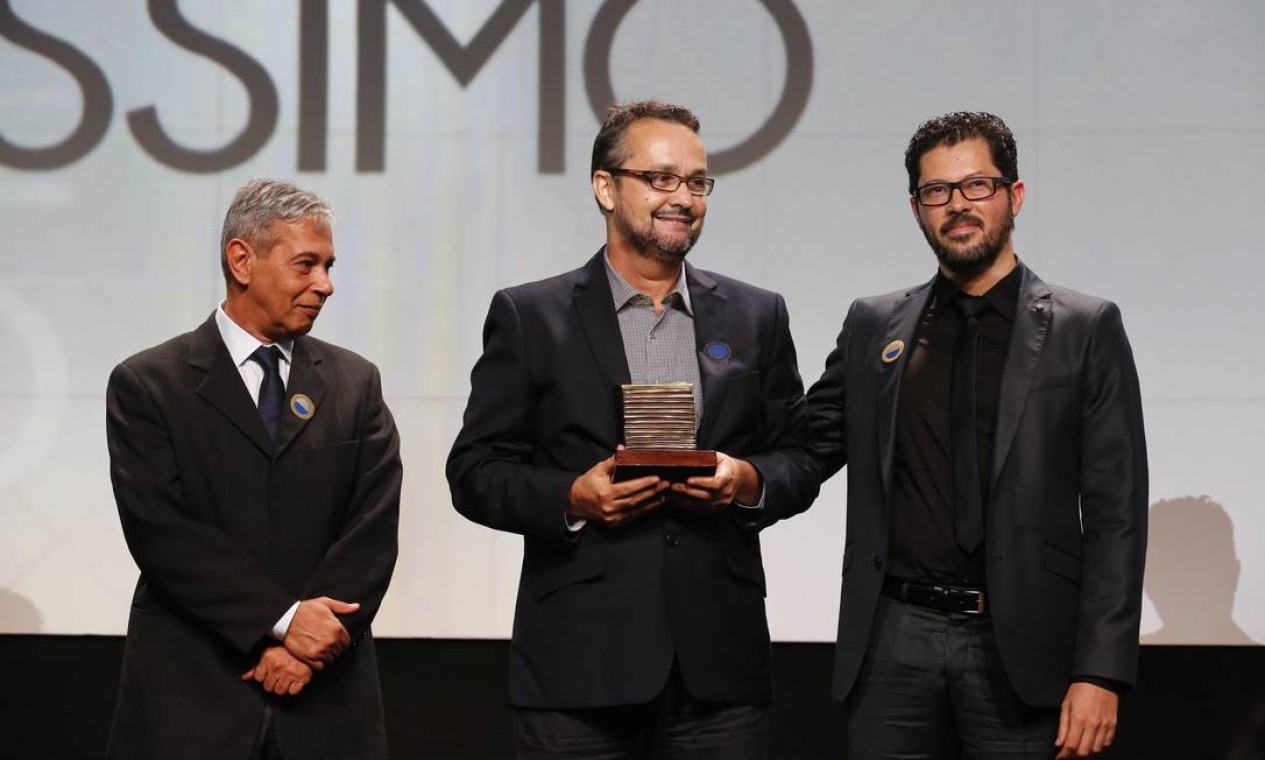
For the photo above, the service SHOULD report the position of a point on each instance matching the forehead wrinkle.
(644, 143)
(974, 154)
(972, 171)
(668, 167)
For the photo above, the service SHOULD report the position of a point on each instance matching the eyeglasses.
(667, 182)
(972, 189)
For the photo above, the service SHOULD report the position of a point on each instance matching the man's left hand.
(316, 636)
(734, 480)
(1087, 723)
(279, 672)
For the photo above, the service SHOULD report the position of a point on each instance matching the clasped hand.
(279, 672)
(313, 640)
(316, 636)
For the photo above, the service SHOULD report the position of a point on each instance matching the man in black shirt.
(997, 489)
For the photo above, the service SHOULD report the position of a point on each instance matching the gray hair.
(259, 203)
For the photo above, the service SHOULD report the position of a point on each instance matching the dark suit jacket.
(229, 531)
(1066, 532)
(600, 612)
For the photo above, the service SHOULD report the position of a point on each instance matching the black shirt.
(923, 547)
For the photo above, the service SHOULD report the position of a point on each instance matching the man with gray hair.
(257, 476)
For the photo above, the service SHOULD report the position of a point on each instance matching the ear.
(1017, 193)
(240, 257)
(604, 190)
(913, 206)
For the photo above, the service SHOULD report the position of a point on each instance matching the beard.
(963, 260)
(661, 247)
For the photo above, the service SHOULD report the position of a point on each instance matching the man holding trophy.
(640, 627)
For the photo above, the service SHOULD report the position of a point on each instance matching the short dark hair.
(608, 148)
(953, 128)
(259, 203)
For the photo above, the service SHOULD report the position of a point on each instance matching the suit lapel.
(901, 324)
(307, 379)
(594, 308)
(1033, 313)
(711, 324)
(222, 385)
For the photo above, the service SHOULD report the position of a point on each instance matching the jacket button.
(878, 563)
(671, 539)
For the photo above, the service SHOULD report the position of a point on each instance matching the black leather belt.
(972, 601)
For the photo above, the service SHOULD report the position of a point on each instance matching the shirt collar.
(241, 344)
(622, 292)
(1003, 296)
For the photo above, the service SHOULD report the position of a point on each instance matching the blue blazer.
(601, 613)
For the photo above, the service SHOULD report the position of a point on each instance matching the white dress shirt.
(241, 345)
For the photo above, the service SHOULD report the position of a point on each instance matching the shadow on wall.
(18, 614)
(1192, 573)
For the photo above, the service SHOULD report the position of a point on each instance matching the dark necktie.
(272, 390)
(967, 497)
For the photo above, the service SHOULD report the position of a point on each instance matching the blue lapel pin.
(717, 350)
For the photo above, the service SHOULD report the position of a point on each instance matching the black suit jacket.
(1066, 532)
(229, 530)
(600, 613)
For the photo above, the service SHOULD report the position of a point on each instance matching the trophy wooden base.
(673, 465)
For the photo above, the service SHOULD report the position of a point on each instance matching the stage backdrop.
(452, 138)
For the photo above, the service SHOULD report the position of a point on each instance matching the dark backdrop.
(445, 699)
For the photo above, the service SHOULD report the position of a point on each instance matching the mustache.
(675, 211)
(958, 218)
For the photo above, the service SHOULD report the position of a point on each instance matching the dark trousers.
(673, 725)
(932, 686)
(265, 747)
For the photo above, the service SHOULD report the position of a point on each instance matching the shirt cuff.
(758, 505)
(574, 524)
(282, 626)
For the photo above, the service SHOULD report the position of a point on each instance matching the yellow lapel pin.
(892, 351)
(302, 406)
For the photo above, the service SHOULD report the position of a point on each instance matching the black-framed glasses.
(667, 182)
(972, 189)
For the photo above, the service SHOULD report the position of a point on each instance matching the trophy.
(659, 434)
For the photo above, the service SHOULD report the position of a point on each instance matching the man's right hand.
(279, 672)
(595, 497)
(315, 635)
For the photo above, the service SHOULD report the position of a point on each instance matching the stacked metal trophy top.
(659, 434)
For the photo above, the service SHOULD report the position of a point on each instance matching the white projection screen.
(452, 138)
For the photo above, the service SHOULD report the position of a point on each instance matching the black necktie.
(967, 497)
(272, 390)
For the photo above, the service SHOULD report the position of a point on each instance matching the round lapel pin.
(302, 406)
(892, 351)
(718, 350)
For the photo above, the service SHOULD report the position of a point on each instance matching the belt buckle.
(979, 602)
